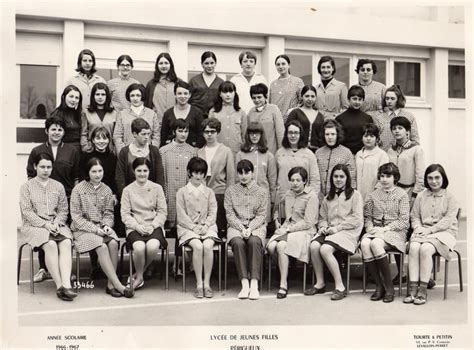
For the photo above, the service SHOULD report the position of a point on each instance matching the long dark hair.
(63, 107)
(348, 190)
(107, 105)
(226, 86)
(171, 74)
(302, 142)
(79, 62)
(262, 144)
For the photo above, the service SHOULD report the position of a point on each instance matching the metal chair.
(20, 251)
(348, 272)
(164, 258)
(186, 248)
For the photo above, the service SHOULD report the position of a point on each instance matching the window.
(456, 81)
(381, 75)
(142, 76)
(408, 76)
(342, 69)
(301, 66)
(37, 91)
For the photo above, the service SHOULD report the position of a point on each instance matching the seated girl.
(92, 212)
(144, 213)
(44, 212)
(293, 236)
(435, 226)
(386, 215)
(340, 223)
(196, 209)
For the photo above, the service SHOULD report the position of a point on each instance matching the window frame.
(453, 102)
(411, 99)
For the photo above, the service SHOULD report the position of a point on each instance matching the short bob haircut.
(79, 61)
(389, 169)
(108, 98)
(226, 86)
(208, 54)
(182, 84)
(101, 131)
(356, 90)
(402, 121)
(90, 163)
(55, 120)
(436, 167)
(196, 165)
(141, 161)
(363, 61)
(299, 170)
(122, 58)
(171, 74)
(139, 124)
(325, 59)
(212, 123)
(302, 142)
(371, 129)
(332, 123)
(262, 144)
(40, 156)
(348, 190)
(179, 124)
(248, 54)
(135, 86)
(244, 166)
(259, 88)
(401, 100)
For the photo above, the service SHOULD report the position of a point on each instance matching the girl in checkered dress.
(386, 216)
(44, 211)
(92, 212)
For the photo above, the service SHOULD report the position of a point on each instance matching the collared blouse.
(222, 168)
(243, 88)
(234, 126)
(332, 99)
(272, 122)
(285, 93)
(410, 160)
(301, 211)
(367, 166)
(123, 128)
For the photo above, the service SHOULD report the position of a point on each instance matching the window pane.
(342, 69)
(142, 76)
(457, 81)
(381, 75)
(301, 67)
(37, 91)
(407, 75)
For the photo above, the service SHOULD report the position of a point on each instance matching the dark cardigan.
(194, 118)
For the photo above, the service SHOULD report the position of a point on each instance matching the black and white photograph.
(240, 175)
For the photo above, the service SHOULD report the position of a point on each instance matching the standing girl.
(119, 85)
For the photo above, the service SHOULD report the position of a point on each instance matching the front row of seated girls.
(342, 216)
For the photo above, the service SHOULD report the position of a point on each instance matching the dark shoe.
(199, 293)
(378, 295)
(208, 293)
(70, 293)
(396, 279)
(313, 290)
(388, 297)
(113, 292)
(97, 274)
(60, 294)
(148, 275)
(282, 293)
(128, 293)
(431, 283)
(338, 295)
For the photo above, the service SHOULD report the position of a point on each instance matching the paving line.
(179, 303)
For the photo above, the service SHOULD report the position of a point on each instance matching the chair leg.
(269, 272)
(219, 251)
(121, 261)
(364, 276)
(400, 273)
(20, 252)
(183, 259)
(261, 273)
(131, 269)
(78, 263)
(166, 268)
(162, 263)
(226, 247)
(32, 282)
(434, 268)
(348, 272)
(445, 279)
(460, 270)
(304, 276)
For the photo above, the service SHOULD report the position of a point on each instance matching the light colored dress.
(438, 212)
(332, 99)
(118, 87)
(84, 84)
(272, 122)
(301, 213)
(196, 206)
(285, 93)
(91, 208)
(367, 166)
(92, 122)
(42, 204)
(347, 216)
(234, 126)
(242, 86)
(374, 93)
(382, 120)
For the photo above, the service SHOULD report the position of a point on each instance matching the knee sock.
(374, 272)
(413, 288)
(41, 259)
(384, 268)
(422, 291)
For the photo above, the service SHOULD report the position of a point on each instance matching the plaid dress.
(91, 208)
(42, 204)
(388, 208)
(175, 157)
